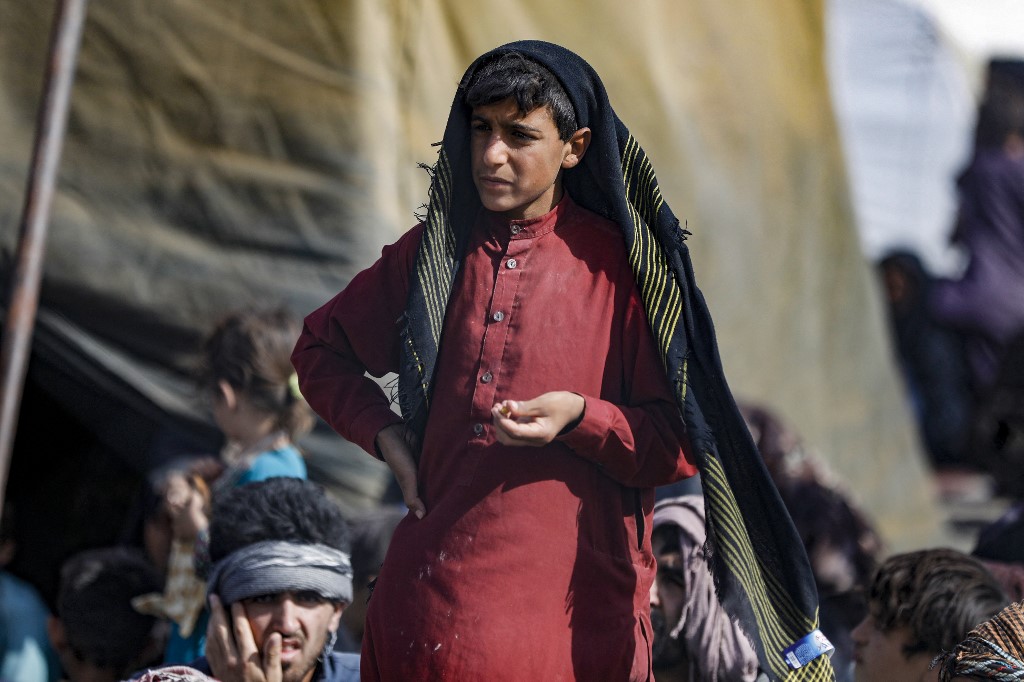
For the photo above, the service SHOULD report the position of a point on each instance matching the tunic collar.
(502, 228)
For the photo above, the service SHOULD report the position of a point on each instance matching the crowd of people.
(565, 514)
(960, 340)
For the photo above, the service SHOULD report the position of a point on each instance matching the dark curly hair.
(512, 75)
(289, 509)
(94, 605)
(938, 594)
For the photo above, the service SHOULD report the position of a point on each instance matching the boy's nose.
(285, 616)
(496, 152)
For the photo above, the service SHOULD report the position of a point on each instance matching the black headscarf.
(761, 571)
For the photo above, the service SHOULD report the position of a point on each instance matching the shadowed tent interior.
(222, 154)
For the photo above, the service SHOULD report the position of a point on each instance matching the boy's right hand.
(397, 444)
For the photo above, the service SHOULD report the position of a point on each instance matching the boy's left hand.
(538, 421)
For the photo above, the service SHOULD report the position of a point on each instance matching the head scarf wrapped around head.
(992, 651)
(715, 647)
(761, 571)
(274, 566)
(176, 673)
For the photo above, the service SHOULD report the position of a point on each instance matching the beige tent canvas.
(224, 153)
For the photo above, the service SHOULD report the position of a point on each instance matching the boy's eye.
(261, 599)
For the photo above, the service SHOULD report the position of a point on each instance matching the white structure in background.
(905, 104)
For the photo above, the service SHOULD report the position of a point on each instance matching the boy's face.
(517, 160)
(879, 655)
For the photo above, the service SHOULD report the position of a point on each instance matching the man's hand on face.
(397, 445)
(231, 649)
(538, 421)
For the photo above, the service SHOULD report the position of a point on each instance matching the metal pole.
(27, 270)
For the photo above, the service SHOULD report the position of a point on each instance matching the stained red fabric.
(531, 563)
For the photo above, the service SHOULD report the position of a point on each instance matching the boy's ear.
(227, 394)
(577, 147)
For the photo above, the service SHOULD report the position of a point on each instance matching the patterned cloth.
(184, 594)
(716, 649)
(178, 673)
(992, 651)
(761, 570)
(272, 566)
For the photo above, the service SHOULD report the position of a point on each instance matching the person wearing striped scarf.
(556, 362)
(992, 651)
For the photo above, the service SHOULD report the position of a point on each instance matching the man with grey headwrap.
(279, 579)
(694, 638)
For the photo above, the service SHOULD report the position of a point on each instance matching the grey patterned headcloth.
(273, 566)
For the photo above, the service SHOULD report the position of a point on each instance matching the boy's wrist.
(573, 423)
(377, 438)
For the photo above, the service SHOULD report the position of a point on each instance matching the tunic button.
(515, 229)
(486, 378)
(478, 429)
(511, 263)
(498, 316)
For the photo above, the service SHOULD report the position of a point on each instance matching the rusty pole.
(27, 269)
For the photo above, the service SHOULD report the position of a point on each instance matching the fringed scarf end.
(411, 393)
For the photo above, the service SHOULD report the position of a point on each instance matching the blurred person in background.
(25, 651)
(921, 604)
(931, 359)
(992, 651)
(371, 534)
(97, 633)
(694, 638)
(842, 543)
(246, 372)
(987, 302)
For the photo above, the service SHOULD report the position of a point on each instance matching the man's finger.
(247, 650)
(272, 658)
(220, 645)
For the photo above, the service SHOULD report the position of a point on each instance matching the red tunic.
(531, 563)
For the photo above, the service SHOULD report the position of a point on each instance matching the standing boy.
(540, 323)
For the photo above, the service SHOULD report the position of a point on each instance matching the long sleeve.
(352, 335)
(639, 440)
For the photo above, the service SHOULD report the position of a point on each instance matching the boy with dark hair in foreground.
(542, 322)
(921, 604)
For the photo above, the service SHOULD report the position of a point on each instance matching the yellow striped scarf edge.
(770, 603)
(780, 623)
(645, 255)
(437, 249)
